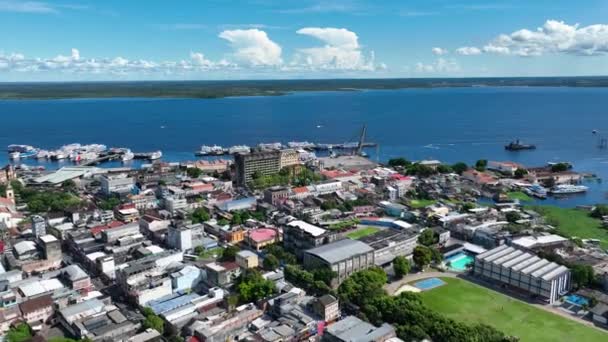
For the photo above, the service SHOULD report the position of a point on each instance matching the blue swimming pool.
(576, 299)
(428, 284)
(459, 261)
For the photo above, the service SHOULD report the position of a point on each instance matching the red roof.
(336, 173)
(7, 202)
(98, 229)
(400, 177)
(300, 190)
(262, 234)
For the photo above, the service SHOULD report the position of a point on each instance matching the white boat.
(239, 149)
(155, 155)
(127, 155)
(15, 155)
(300, 144)
(20, 148)
(210, 150)
(271, 146)
(568, 189)
(59, 155)
(42, 154)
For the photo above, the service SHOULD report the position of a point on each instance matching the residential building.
(276, 195)
(524, 271)
(299, 236)
(262, 237)
(344, 257)
(37, 310)
(354, 329)
(38, 226)
(51, 247)
(187, 278)
(327, 307)
(180, 238)
(246, 259)
(391, 243)
(221, 274)
(116, 184)
(127, 213)
(264, 163)
(289, 157)
(507, 167)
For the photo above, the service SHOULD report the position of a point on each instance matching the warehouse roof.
(340, 250)
(307, 227)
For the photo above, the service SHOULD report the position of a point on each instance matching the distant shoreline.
(223, 89)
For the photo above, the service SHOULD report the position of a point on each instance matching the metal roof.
(340, 250)
(307, 227)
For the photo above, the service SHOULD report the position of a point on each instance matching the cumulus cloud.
(253, 47)
(26, 7)
(341, 50)
(553, 37)
(437, 51)
(468, 51)
(440, 66)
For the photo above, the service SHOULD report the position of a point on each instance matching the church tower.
(10, 193)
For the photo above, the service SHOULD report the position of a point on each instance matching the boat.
(155, 155)
(536, 190)
(43, 154)
(127, 155)
(518, 146)
(58, 155)
(301, 144)
(15, 155)
(210, 150)
(239, 149)
(564, 189)
(20, 148)
(271, 146)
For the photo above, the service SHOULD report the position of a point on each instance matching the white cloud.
(253, 47)
(553, 37)
(341, 50)
(26, 7)
(468, 51)
(440, 66)
(437, 51)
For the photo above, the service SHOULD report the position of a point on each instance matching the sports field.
(468, 302)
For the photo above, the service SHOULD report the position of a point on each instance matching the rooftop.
(307, 227)
(340, 250)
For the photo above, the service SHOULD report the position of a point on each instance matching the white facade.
(180, 238)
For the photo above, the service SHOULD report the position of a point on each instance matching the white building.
(524, 271)
(119, 184)
(180, 238)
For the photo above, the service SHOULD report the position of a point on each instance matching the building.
(344, 257)
(327, 307)
(127, 213)
(391, 243)
(51, 247)
(264, 163)
(220, 274)
(180, 238)
(276, 195)
(238, 204)
(262, 237)
(38, 226)
(507, 167)
(37, 309)
(77, 278)
(187, 278)
(524, 271)
(247, 259)
(299, 236)
(116, 184)
(289, 157)
(354, 329)
(173, 203)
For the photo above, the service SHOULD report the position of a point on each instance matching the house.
(506, 167)
(37, 309)
(327, 307)
(262, 237)
(300, 235)
(247, 259)
(220, 274)
(354, 329)
(480, 178)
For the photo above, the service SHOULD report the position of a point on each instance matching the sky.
(74, 40)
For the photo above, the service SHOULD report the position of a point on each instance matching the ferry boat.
(518, 146)
(536, 190)
(21, 151)
(58, 155)
(155, 155)
(564, 189)
(43, 154)
(127, 155)
(210, 150)
(271, 146)
(301, 144)
(239, 149)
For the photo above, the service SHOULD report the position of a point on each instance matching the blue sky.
(219, 39)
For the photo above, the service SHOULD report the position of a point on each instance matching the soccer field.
(468, 302)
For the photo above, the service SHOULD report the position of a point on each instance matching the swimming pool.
(576, 299)
(429, 283)
(459, 261)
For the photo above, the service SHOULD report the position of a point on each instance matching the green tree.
(200, 215)
(324, 274)
(363, 287)
(460, 167)
(481, 165)
(252, 287)
(427, 237)
(422, 256)
(19, 333)
(109, 203)
(520, 173)
(229, 253)
(512, 216)
(600, 211)
(444, 168)
(154, 322)
(560, 167)
(194, 172)
(582, 275)
(401, 266)
(270, 262)
(399, 162)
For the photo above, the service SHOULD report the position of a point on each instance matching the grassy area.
(574, 223)
(211, 253)
(363, 232)
(468, 302)
(518, 195)
(421, 203)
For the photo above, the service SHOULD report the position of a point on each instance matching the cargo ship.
(518, 146)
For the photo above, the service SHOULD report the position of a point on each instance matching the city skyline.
(79, 40)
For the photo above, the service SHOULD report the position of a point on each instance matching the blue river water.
(449, 124)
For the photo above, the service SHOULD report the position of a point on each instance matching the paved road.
(391, 288)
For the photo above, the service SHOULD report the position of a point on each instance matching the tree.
(363, 287)
(436, 255)
(460, 167)
(467, 206)
(599, 211)
(271, 263)
(427, 237)
(520, 173)
(200, 215)
(324, 274)
(582, 275)
(512, 216)
(399, 162)
(251, 286)
(19, 333)
(109, 203)
(481, 165)
(444, 168)
(560, 167)
(422, 256)
(153, 321)
(401, 266)
(229, 253)
(194, 172)
(68, 185)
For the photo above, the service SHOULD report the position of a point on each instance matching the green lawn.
(573, 222)
(363, 232)
(518, 195)
(210, 253)
(421, 203)
(471, 303)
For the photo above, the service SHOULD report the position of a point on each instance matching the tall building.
(116, 184)
(289, 157)
(263, 162)
(38, 226)
(180, 238)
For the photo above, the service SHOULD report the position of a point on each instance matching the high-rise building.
(289, 157)
(38, 226)
(264, 163)
(180, 238)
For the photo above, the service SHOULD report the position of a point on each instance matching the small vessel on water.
(127, 155)
(537, 191)
(210, 150)
(301, 144)
(155, 155)
(239, 149)
(564, 189)
(518, 146)
(270, 146)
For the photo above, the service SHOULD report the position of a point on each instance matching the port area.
(348, 163)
